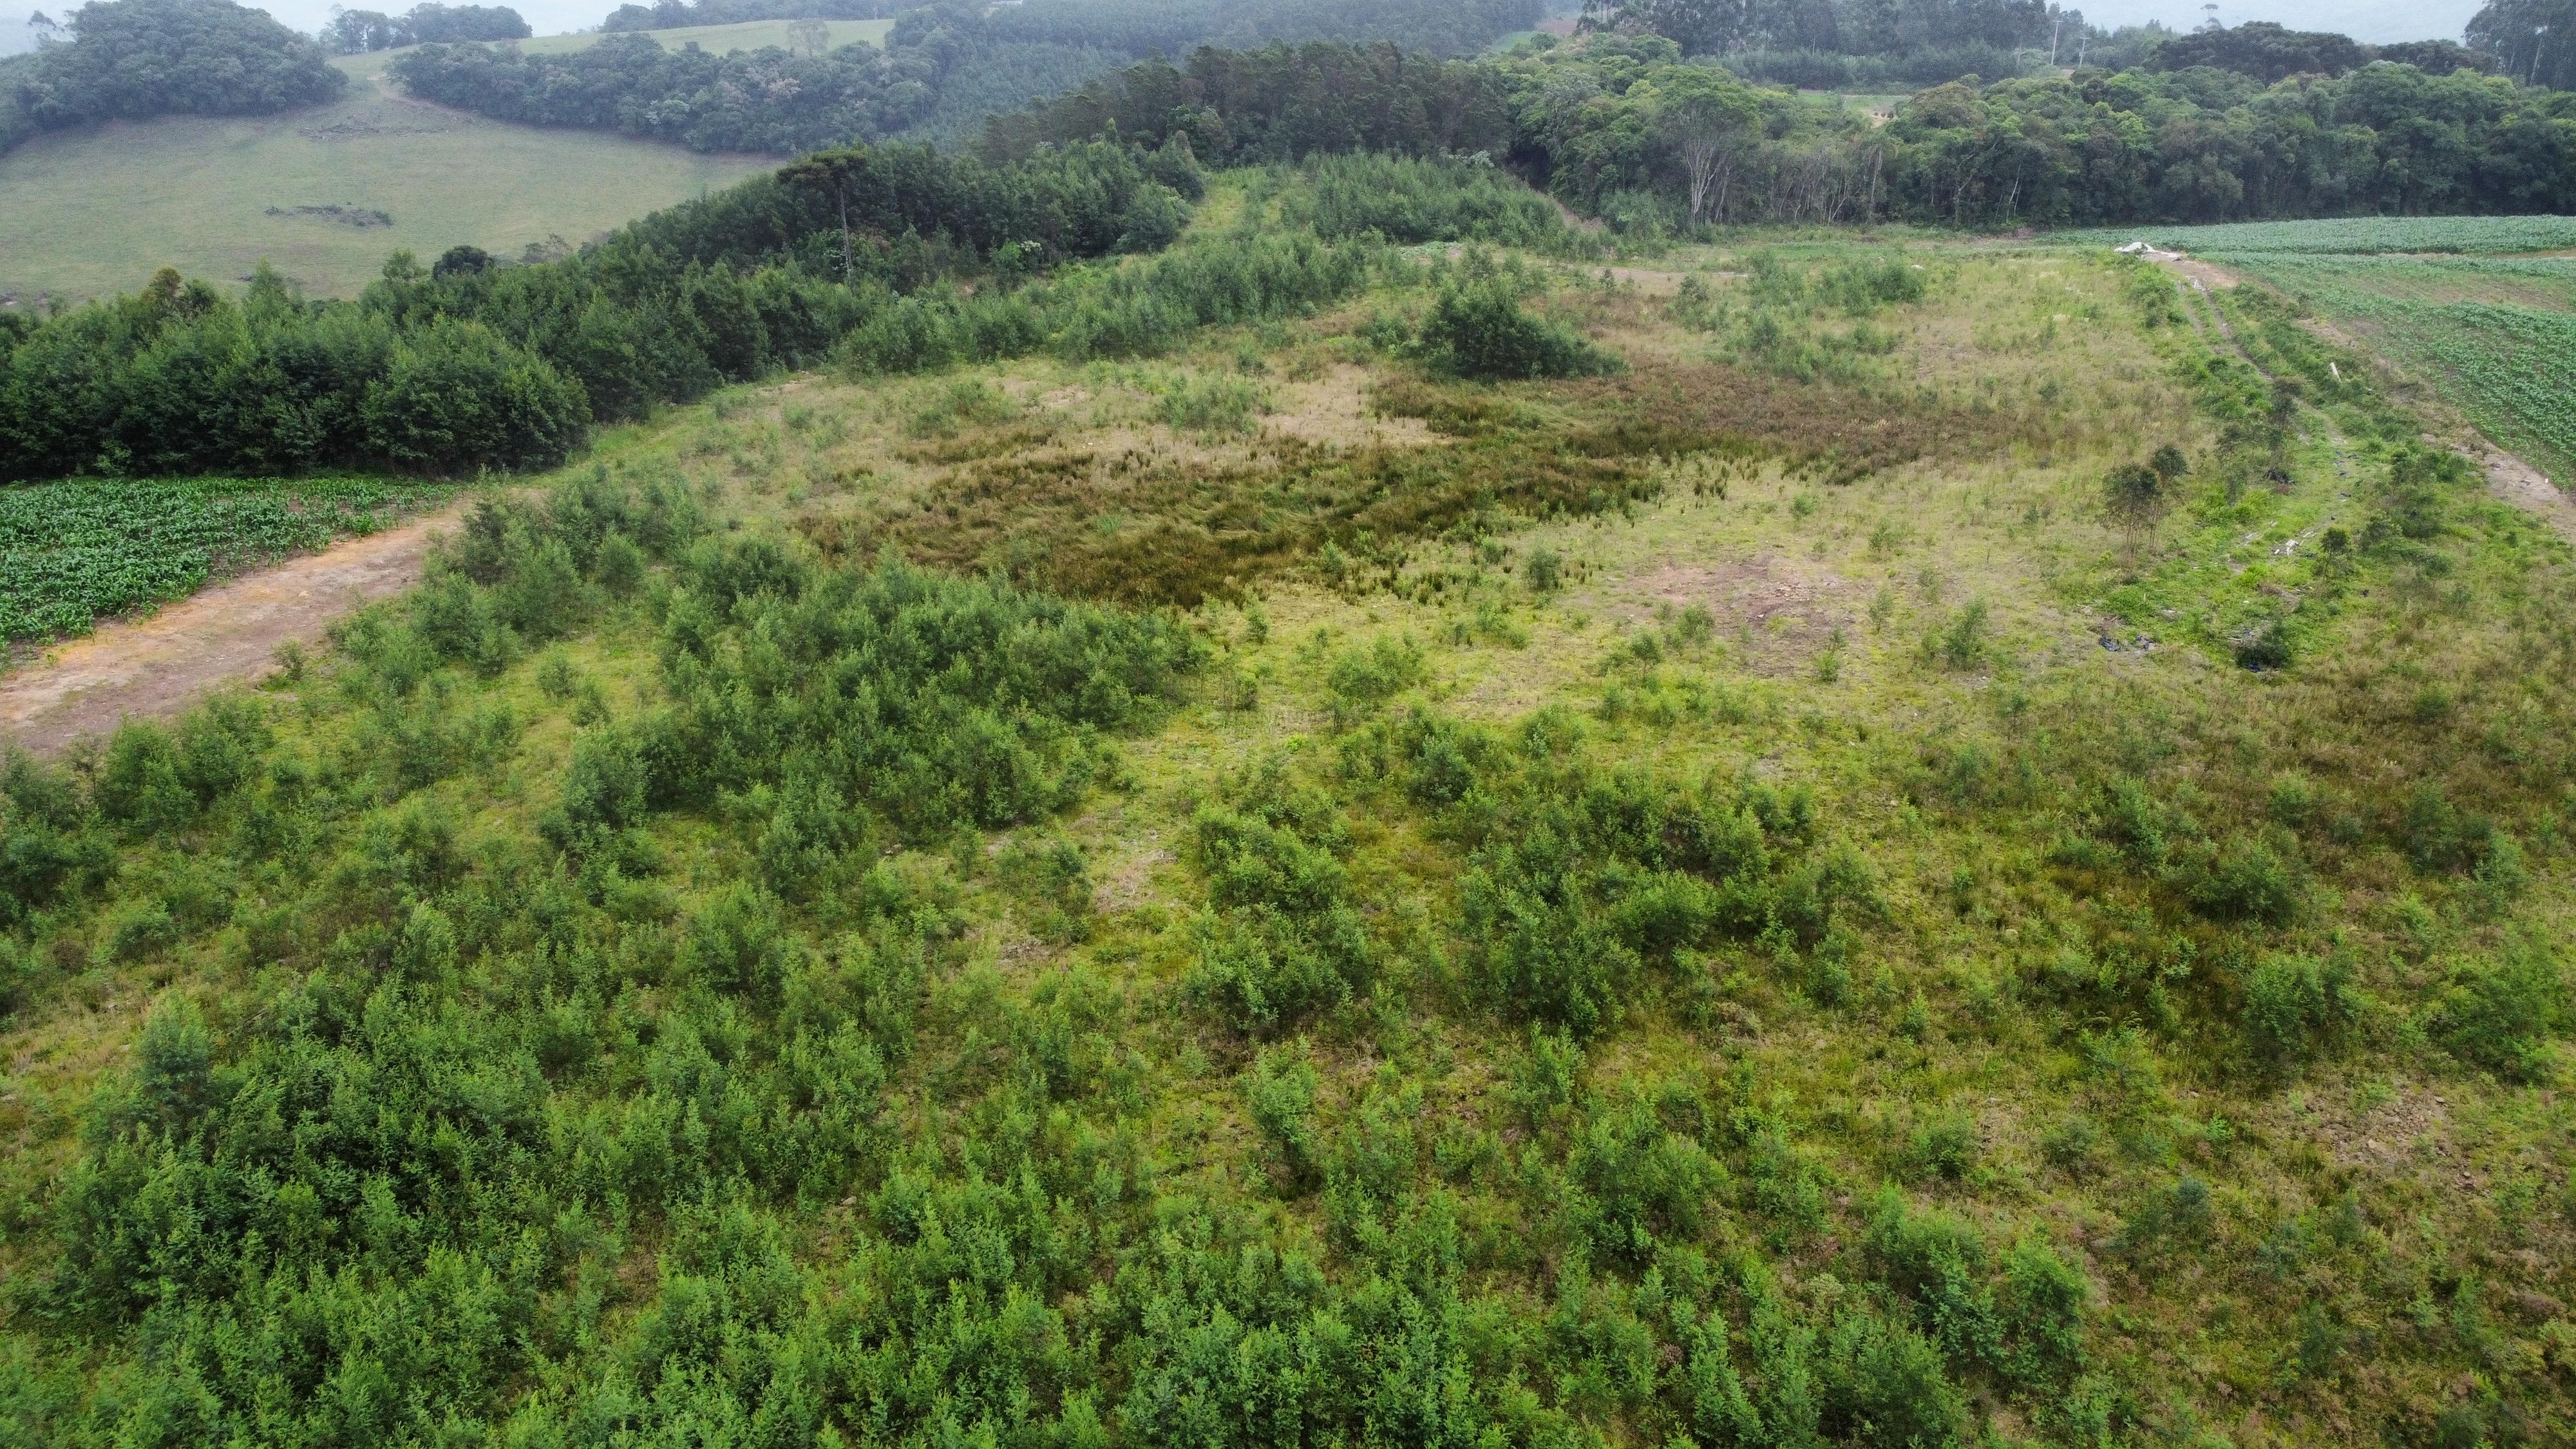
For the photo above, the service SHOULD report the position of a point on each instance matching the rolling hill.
(324, 195)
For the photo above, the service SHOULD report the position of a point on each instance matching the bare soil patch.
(156, 666)
(1779, 610)
(2207, 274)
(2527, 488)
(1336, 409)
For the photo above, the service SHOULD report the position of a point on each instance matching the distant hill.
(324, 194)
(2378, 22)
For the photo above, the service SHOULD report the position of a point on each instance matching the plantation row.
(466, 366)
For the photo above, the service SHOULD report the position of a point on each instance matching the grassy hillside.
(1273, 895)
(91, 213)
(750, 35)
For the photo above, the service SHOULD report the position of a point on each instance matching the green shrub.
(1281, 1095)
(2182, 1212)
(1377, 671)
(1544, 569)
(2245, 880)
(1282, 937)
(1212, 405)
(1964, 643)
(1887, 1387)
(1945, 1147)
(1478, 330)
(2134, 495)
(139, 783)
(2294, 1007)
(2499, 1011)
(1543, 1082)
(1639, 1178)
(1375, 1153)
(139, 929)
(1938, 1265)
(174, 1073)
(2043, 1307)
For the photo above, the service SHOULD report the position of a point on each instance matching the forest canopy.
(357, 32)
(942, 70)
(1611, 125)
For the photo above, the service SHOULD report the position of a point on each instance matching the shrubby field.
(1361, 828)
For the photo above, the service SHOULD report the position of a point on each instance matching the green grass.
(2369, 234)
(72, 553)
(92, 213)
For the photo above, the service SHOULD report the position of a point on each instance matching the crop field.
(2495, 336)
(72, 553)
(2475, 307)
(1271, 892)
(324, 195)
(2364, 235)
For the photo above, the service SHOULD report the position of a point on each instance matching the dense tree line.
(944, 67)
(1176, 27)
(1879, 43)
(134, 58)
(357, 32)
(1624, 128)
(2534, 41)
(935, 62)
(1280, 103)
(766, 100)
(681, 14)
(2203, 145)
(468, 365)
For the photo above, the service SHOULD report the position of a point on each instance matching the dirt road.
(158, 665)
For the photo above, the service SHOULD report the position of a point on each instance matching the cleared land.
(323, 195)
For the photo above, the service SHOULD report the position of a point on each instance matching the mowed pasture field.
(91, 213)
(750, 35)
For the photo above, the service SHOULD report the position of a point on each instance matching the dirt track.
(2527, 488)
(155, 666)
